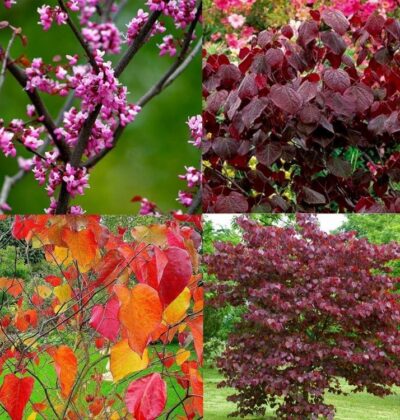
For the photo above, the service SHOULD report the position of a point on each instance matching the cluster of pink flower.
(363, 8)
(234, 12)
(192, 175)
(103, 36)
(49, 15)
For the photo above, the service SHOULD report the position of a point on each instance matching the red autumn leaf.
(146, 397)
(149, 266)
(176, 274)
(105, 319)
(11, 286)
(14, 395)
(53, 280)
(109, 267)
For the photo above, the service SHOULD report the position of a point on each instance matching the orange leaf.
(66, 366)
(25, 319)
(11, 286)
(140, 313)
(196, 326)
(83, 247)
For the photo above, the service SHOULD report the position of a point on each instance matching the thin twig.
(6, 55)
(79, 37)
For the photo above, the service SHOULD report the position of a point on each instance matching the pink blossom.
(236, 21)
(103, 36)
(185, 198)
(192, 176)
(25, 164)
(76, 179)
(30, 110)
(5, 207)
(196, 130)
(77, 210)
(167, 46)
(53, 206)
(8, 3)
(47, 16)
(6, 144)
(137, 23)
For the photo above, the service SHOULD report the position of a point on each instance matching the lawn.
(361, 406)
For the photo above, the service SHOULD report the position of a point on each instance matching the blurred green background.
(152, 151)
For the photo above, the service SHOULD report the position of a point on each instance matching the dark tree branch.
(79, 37)
(137, 43)
(10, 181)
(40, 108)
(196, 203)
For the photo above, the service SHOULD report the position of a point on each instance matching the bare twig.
(6, 56)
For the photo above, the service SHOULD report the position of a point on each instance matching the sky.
(328, 222)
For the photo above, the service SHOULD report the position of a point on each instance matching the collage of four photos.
(199, 209)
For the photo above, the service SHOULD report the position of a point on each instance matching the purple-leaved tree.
(317, 307)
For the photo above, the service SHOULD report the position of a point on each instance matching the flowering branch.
(39, 105)
(153, 91)
(87, 133)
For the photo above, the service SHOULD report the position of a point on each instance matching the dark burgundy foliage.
(318, 307)
(320, 112)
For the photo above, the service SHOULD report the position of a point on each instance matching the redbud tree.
(318, 307)
(97, 106)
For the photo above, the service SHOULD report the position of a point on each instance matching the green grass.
(360, 406)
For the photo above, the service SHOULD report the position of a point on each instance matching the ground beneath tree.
(361, 406)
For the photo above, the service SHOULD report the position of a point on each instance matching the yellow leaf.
(176, 310)
(181, 356)
(63, 293)
(61, 256)
(155, 234)
(32, 416)
(43, 291)
(124, 360)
